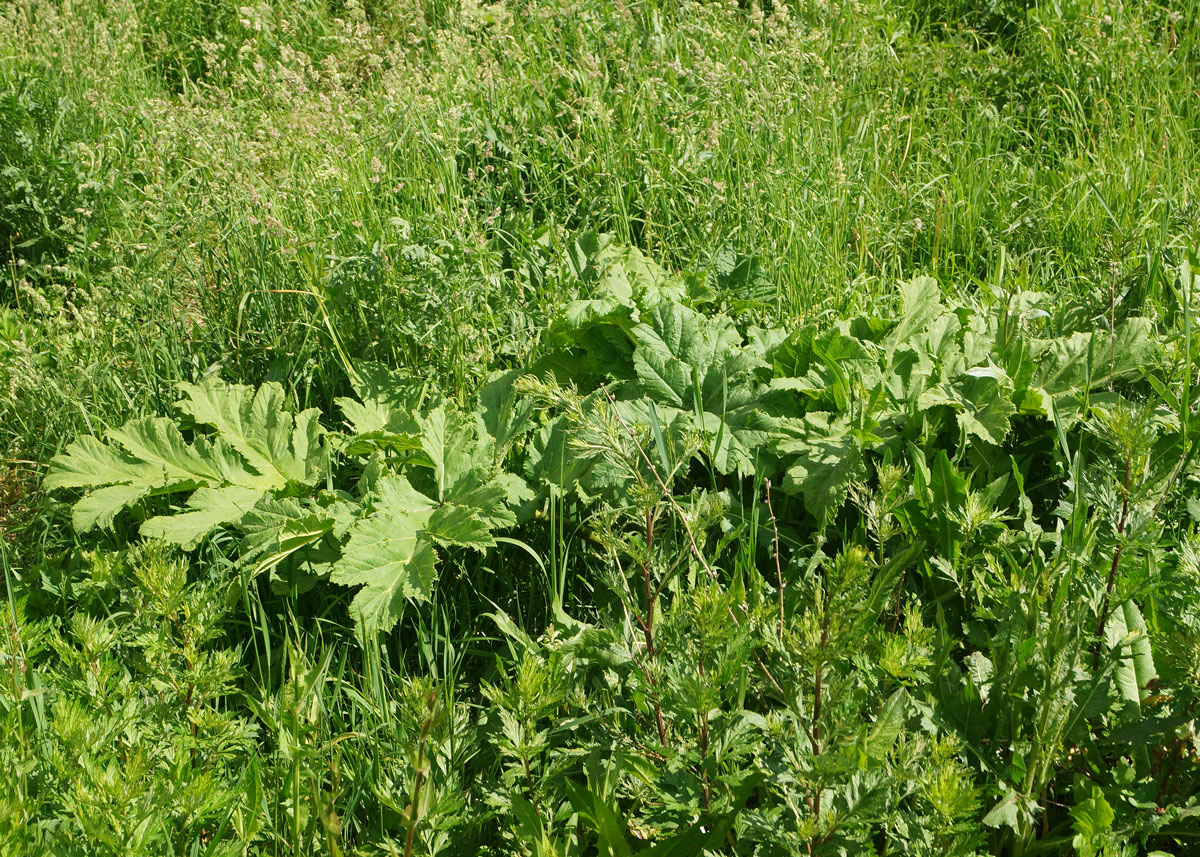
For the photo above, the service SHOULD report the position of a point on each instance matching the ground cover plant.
(569, 428)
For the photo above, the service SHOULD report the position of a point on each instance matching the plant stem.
(651, 595)
(778, 567)
(414, 807)
(666, 492)
(1112, 572)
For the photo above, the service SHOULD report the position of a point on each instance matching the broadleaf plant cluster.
(916, 582)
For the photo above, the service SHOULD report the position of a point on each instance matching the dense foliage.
(343, 518)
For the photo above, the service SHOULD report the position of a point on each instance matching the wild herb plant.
(809, 631)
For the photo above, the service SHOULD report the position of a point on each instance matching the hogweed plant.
(910, 583)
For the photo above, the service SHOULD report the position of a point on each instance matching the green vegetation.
(577, 428)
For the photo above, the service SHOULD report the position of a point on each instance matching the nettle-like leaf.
(255, 447)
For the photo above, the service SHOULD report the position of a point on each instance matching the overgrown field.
(581, 427)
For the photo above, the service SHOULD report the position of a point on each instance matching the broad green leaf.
(949, 492)
(100, 507)
(889, 724)
(987, 408)
(1089, 360)
(921, 303)
(385, 405)
(208, 508)
(1013, 810)
(1092, 821)
(389, 556)
(502, 413)
(671, 350)
(551, 457)
(257, 447)
(825, 459)
(156, 441)
(485, 498)
(459, 525)
(980, 670)
(89, 462)
(1143, 658)
(663, 377)
(600, 817)
(374, 417)
(393, 564)
(690, 361)
(449, 441)
(258, 426)
(1126, 631)
(278, 530)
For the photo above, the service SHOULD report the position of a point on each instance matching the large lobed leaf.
(389, 556)
(391, 553)
(256, 448)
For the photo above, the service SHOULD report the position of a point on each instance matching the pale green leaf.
(921, 303)
(1013, 810)
(258, 426)
(987, 408)
(1092, 821)
(826, 460)
(157, 443)
(89, 462)
(459, 525)
(208, 508)
(888, 725)
(277, 529)
(485, 498)
(99, 508)
(389, 556)
(449, 441)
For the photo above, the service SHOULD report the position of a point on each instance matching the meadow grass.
(273, 192)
